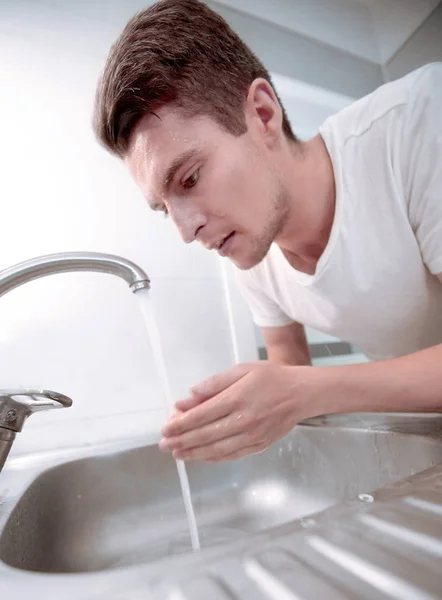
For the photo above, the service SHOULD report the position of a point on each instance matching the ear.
(264, 111)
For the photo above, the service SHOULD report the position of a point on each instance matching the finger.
(248, 451)
(218, 430)
(211, 387)
(219, 382)
(209, 411)
(216, 451)
(174, 415)
(188, 403)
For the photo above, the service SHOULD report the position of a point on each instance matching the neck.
(311, 186)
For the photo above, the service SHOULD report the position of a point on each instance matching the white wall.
(372, 30)
(394, 21)
(83, 334)
(299, 55)
(424, 46)
(344, 24)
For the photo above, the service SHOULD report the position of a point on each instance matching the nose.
(189, 221)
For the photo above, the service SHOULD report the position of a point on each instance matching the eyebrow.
(177, 163)
(172, 169)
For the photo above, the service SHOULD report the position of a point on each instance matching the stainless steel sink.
(124, 508)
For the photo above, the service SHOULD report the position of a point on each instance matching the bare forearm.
(271, 399)
(297, 356)
(411, 383)
(287, 345)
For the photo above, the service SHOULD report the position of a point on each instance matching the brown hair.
(176, 51)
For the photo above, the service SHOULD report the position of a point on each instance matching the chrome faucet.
(15, 406)
(73, 261)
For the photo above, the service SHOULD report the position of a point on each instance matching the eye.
(191, 181)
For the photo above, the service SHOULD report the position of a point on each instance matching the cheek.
(220, 192)
(236, 187)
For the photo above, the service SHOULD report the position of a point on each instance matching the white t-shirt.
(375, 284)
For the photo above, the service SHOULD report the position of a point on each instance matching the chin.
(250, 252)
(244, 263)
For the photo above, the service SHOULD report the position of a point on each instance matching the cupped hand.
(241, 411)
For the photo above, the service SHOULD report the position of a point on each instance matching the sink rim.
(21, 471)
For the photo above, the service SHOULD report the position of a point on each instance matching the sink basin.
(121, 509)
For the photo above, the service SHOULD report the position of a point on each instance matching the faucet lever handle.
(50, 399)
(15, 407)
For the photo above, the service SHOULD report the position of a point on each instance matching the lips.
(223, 248)
(221, 245)
(221, 242)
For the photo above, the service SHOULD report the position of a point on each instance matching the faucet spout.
(65, 262)
(13, 409)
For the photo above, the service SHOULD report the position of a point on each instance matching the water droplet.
(366, 498)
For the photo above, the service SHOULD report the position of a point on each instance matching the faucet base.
(7, 436)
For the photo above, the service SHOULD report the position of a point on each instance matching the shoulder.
(387, 102)
(426, 79)
(425, 95)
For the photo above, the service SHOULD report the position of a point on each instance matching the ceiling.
(370, 29)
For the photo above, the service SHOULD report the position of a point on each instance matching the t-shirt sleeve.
(265, 311)
(422, 164)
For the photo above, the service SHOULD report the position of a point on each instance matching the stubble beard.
(277, 218)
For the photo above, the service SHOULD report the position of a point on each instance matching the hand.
(241, 411)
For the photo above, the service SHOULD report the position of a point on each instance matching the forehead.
(157, 140)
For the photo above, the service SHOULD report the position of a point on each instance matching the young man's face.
(218, 189)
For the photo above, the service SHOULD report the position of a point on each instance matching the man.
(342, 232)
